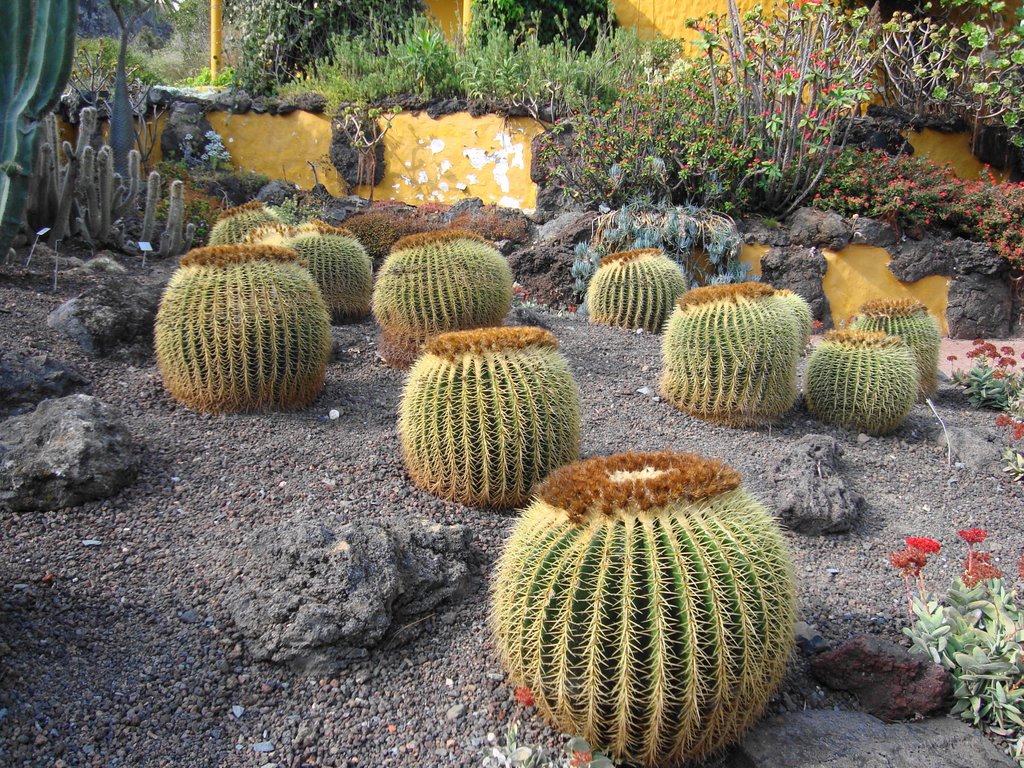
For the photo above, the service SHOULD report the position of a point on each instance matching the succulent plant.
(336, 259)
(242, 328)
(647, 601)
(375, 231)
(235, 223)
(635, 289)
(802, 310)
(910, 320)
(863, 380)
(488, 413)
(435, 282)
(730, 354)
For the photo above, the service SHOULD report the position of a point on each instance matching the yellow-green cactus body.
(235, 223)
(340, 266)
(910, 320)
(861, 380)
(242, 328)
(647, 601)
(435, 282)
(730, 354)
(635, 289)
(487, 414)
(802, 311)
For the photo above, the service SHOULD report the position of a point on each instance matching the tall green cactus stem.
(635, 289)
(488, 413)
(152, 201)
(235, 223)
(730, 354)
(104, 196)
(435, 282)
(37, 39)
(862, 380)
(647, 601)
(802, 311)
(177, 236)
(242, 328)
(337, 260)
(910, 320)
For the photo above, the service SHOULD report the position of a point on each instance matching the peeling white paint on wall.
(435, 146)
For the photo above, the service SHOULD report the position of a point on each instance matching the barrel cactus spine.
(235, 223)
(730, 354)
(242, 328)
(434, 282)
(488, 413)
(635, 289)
(647, 601)
(910, 320)
(862, 380)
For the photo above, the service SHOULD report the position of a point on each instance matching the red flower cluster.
(979, 568)
(580, 759)
(973, 535)
(928, 546)
(524, 696)
(909, 561)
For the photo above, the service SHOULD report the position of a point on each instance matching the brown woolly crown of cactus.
(895, 307)
(634, 289)
(910, 320)
(488, 413)
(242, 328)
(729, 292)
(647, 601)
(855, 339)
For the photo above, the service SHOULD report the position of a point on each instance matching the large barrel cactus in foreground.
(37, 40)
(435, 282)
(234, 224)
(730, 354)
(910, 320)
(635, 289)
(863, 380)
(802, 311)
(488, 413)
(242, 328)
(647, 601)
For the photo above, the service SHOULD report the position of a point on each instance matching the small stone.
(91, 542)
(455, 712)
(645, 391)
(263, 746)
(809, 639)
(237, 711)
(333, 414)
(862, 438)
(189, 617)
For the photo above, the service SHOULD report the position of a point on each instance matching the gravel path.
(123, 655)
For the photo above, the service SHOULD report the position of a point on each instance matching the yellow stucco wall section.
(459, 156)
(667, 18)
(951, 148)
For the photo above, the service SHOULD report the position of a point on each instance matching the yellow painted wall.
(448, 14)
(951, 148)
(667, 18)
(459, 156)
(859, 273)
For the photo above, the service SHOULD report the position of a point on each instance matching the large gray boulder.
(810, 494)
(108, 317)
(826, 229)
(316, 595)
(25, 379)
(832, 739)
(801, 270)
(67, 451)
(544, 268)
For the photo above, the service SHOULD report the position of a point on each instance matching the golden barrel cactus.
(242, 328)
(435, 282)
(802, 311)
(635, 289)
(235, 223)
(647, 601)
(488, 413)
(863, 380)
(910, 320)
(730, 354)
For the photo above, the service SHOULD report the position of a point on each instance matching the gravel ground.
(123, 655)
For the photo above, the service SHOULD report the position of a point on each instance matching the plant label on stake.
(56, 245)
(32, 250)
(145, 248)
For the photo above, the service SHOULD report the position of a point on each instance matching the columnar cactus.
(635, 289)
(802, 310)
(910, 320)
(488, 413)
(647, 601)
(435, 282)
(235, 223)
(242, 328)
(336, 259)
(730, 354)
(863, 380)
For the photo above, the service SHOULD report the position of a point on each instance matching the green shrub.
(549, 21)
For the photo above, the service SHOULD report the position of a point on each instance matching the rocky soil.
(117, 648)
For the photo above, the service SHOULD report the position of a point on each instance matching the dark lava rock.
(186, 125)
(810, 495)
(309, 101)
(868, 231)
(826, 229)
(345, 157)
(276, 192)
(802, 271)
(543, 268)
(888, 681)
(980, 304)
(314, 596)
(69, 450)
(980, 449)
(108, 317)
(834, 739)
(25, 379)
(760, 232)
(525, 316)
(338, 209)
(916, 259)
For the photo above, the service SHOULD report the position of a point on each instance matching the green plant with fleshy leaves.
(512, 754)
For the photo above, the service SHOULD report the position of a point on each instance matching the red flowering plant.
(976, 631)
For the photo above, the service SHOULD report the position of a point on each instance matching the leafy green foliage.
(549, 20)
